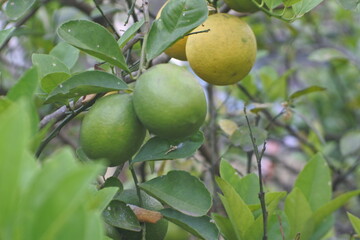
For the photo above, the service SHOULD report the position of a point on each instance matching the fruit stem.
(258, 160)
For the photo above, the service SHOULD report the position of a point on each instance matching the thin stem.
(131, 11)
(106, 19)
(56, 130)
(258, 159)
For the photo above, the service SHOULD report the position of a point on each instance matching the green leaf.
(14, 165)
(65, 53)
(305, 6)
(355, 222)
(25, 87)
(298, 212)
(201, 227)
(350, 143)
(93, 39)
(306, 91)
(241, 137)
(181, 191)
(15, 9)
(225, 226)
(118, 214)
(314, 181)
(247, 187)
(85, 83)
(177, 18)
(129, 33)
(238, 212)
(272, 200)
(161, 149)
(113, 182)
(288, 3)
(100, 199)
(328, 208)
(4, 35)
(326, 55)
(51, 71)
(273, 3)
(353, 5)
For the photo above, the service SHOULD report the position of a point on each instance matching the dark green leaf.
(355, 222)
(241, 137)
(327, 54)
(201, 227)
(238, 212)
(25, 87)
(93, 39)
(66, 54)
(314, 181)
(306, 91)
(118, 214)
(17, 8)
(224, 225)
(181, 191)
(350, 143)
(113, 182)
(4, 34)
(85, 83)
(177, 18)
(130, 32)
(161, 149)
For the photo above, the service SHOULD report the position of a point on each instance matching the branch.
(258, 159)
(106, 19)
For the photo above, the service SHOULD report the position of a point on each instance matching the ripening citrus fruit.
(169, 101)
(154, 231)
(225, 54)
(111, 130)
(177, 50)
(242, 5)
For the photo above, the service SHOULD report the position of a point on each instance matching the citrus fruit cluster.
(167, 100)
(222, 50)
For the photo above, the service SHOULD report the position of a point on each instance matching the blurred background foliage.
(320, 49)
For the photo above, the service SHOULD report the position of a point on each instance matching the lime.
(111, 130)
(170, 102)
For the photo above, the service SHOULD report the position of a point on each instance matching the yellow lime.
(226, 53)
(170, 102)
(111, 130)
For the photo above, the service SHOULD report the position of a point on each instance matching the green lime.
(170, 102)
(154, 231)
(111, 130)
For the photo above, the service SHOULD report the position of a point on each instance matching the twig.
(132, 42)
(56, 130)
(59, 113)
(342, 177)
(258, 159)
(106, 19)
(131, 11)
(203, 31)
(281, 228)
